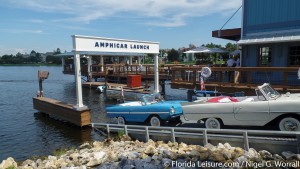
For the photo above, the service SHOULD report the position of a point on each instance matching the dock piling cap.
(43, 75)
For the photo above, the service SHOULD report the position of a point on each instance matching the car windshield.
(151, 98)
(260, 96)
(270, 92)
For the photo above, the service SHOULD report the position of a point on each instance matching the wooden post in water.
(42, 75)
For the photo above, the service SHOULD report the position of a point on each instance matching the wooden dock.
(242, 78)
(94, 85)
(121, 71)
(63, 111)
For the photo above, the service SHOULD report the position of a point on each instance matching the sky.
(45, 25)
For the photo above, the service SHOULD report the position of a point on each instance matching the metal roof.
(269, 40)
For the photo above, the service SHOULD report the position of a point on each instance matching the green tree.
(57, 51)
(230, 47)
(19, 55)
(53, 59)
(6, 59)
(18, 59)
(173, 55)
(149, 58)
(38, 58)
(32, 52)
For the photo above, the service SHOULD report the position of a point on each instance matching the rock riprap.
(135, 154)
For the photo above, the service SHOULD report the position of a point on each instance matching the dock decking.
(62, 111)
(187, 76)
(281, 78)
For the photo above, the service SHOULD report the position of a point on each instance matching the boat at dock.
(126, 93)
(115, 91)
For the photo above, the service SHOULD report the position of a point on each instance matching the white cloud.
(168, 13)
(36, 21)
(17, 31)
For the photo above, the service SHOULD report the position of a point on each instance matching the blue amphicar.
(152, 109)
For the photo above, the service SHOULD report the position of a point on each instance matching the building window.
(294, 56)
(265, 56)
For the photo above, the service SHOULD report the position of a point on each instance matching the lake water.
(25, 133)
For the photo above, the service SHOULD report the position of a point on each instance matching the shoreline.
(123, 152)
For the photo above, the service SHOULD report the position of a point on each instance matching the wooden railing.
(117, 69)
(247, 76)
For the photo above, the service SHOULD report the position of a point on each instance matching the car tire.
(213, 123)
(121, 120)
(289, 124)
(155, 121)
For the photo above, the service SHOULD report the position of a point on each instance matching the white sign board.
(99, 44)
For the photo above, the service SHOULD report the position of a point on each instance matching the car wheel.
(155, 121)
(121, 120)
(212, 123)
(289, 124)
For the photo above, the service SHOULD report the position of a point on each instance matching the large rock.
(112, 156)
(154, 157)
(201, 149)
(241, 160)
(252, 154)
(210, 147)
(137, 143)
(85, 155)
(99, 155)
(266, 155)
(74, 156)
(181, 153)
(85, 145)
(98, 144)
(133, 155)
(277, 157)
(52, 158)
(228, 146)
(143, 156)
(237, 152)
(28, 163)
(220, 155)
(184, 147)
(150, 150)
(170, 155)
(39, 163)
(220, 146)
(125, 138)
(139, 163)
(290, 155)
(204, 155)
(151, 142)
(60, 163)
(94, 162)
(194, 153)
(226, 154)
(9, 162)
(49, 164)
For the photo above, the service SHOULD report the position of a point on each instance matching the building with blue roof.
(269, 35)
